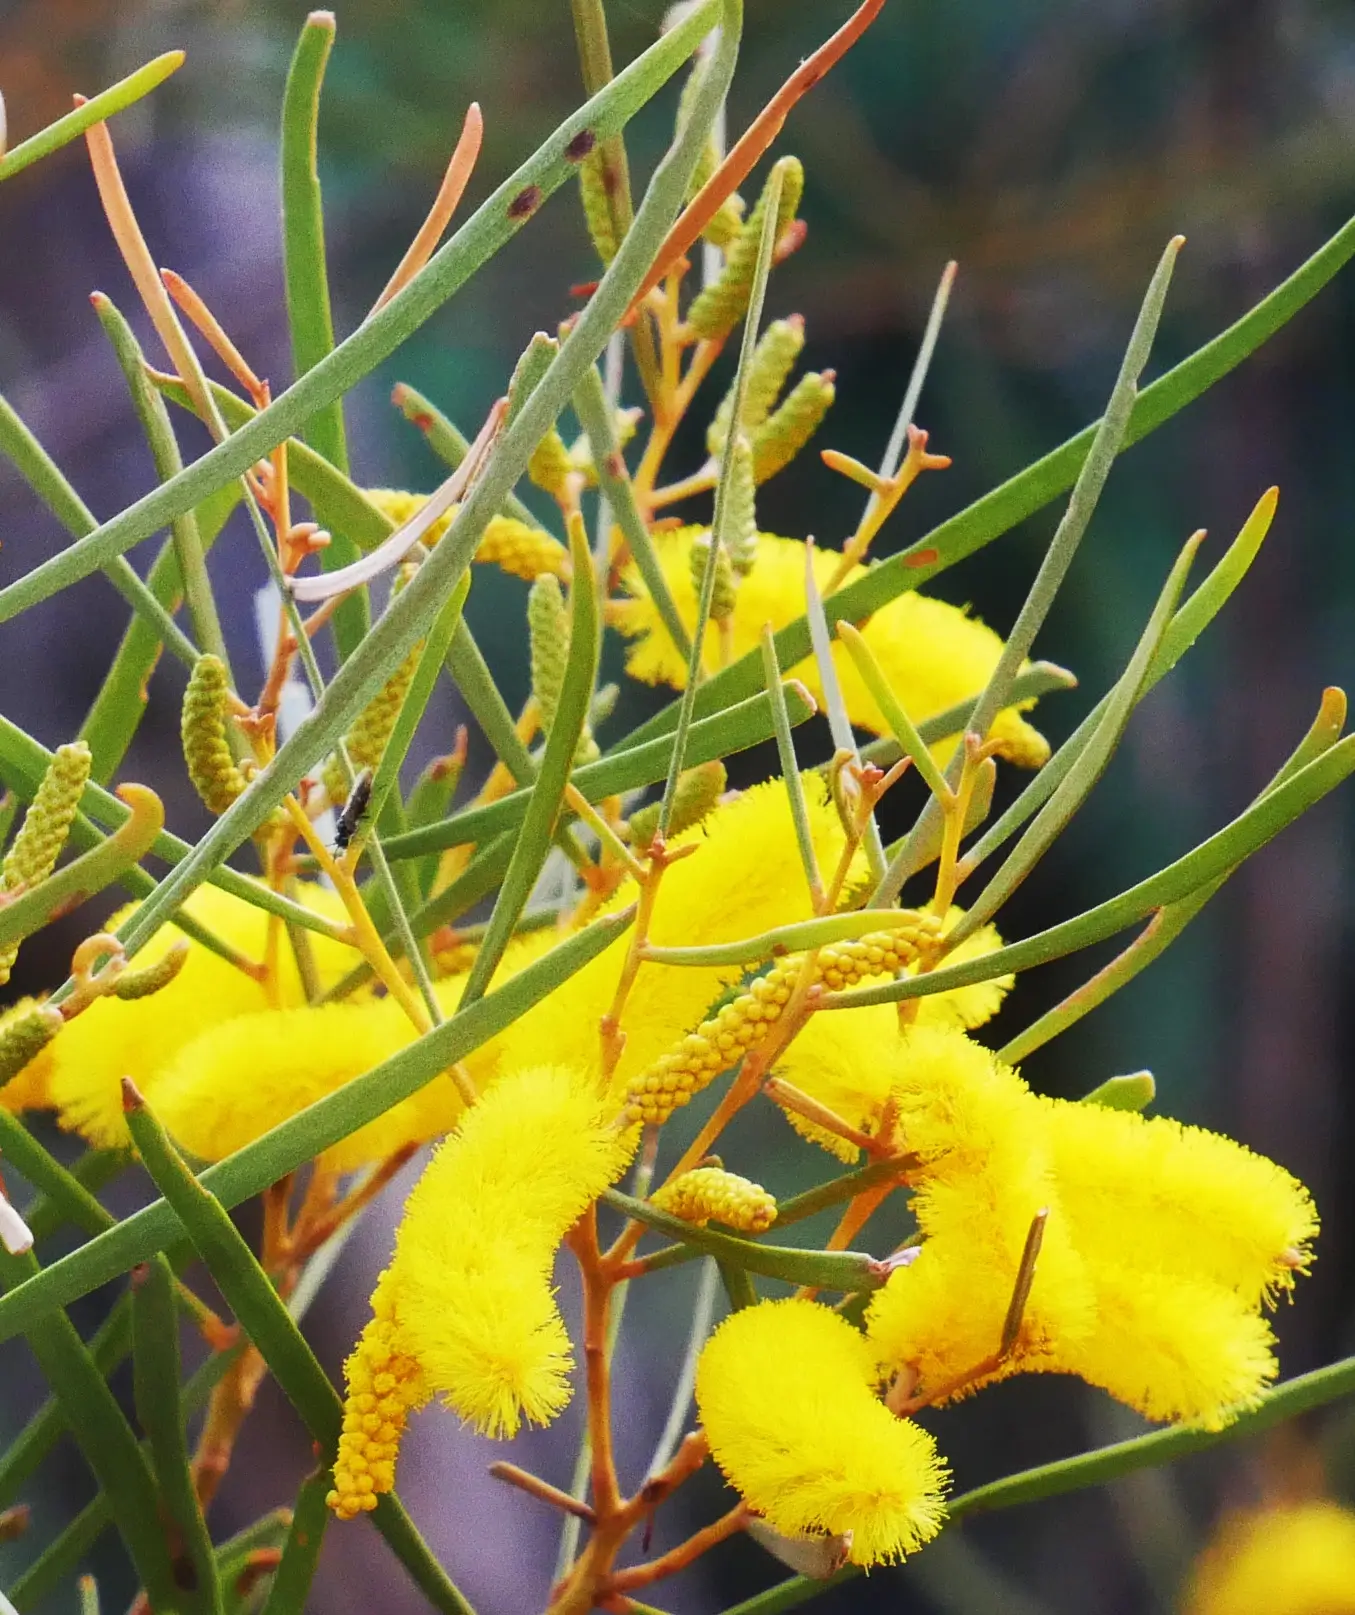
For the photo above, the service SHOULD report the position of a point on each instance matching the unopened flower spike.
(366, 740)
(719, 308)
(26, 1030)
(597, 212)
(724, 225)
(142, 983)
(548, 631)
(36, 848)
(698, 790)
(211, 765)
(785, 432)
(779, 346)
(724, 592)
(712, 1194)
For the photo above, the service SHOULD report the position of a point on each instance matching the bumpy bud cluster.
(24, 1036)
(548, 629)
(215, 775)
(719, 308)
(521, 550)
(596, 212)
(43, 833)
(725, 591)
(881, 953)
(676, 1077)
(383, 1384)
(142, 983)
(550, 466)
(782, 435)
(773, 359)
(716, 1044)
(710, 1194)
(741, 508)
(399, 507)
(366, 740)
(698, 790)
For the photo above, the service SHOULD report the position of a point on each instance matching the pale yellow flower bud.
(710, 1194)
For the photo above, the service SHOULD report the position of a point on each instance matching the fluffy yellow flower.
(850, 1059)
(1189, 1201)
(744, 877)
(933, 654)
(465, 1308)
(1123, 1295)
(114, 1038)
(1294, 1559)
(786, 1393)
(242, 1078)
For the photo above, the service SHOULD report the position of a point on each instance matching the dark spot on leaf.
(921, 558)
(525, 203)
(581, 145)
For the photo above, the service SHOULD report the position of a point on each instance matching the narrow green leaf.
(1036, 485)
(1091, 763)
(125, 93)
(301, 1551)
(720, 519)
(43, 475)
(497, 219)
(304, 1136)
(746, 724)
(790, 767)
(154, 418)
(156, 1372)
(105, 1438)
(1134, 1092)
(1186, 627)
(598, 421)
(69, 1197)
(92, 1171)
(795, 938)
(55, 1565)
(304, 261)
(908, 740)
(547, 795)
(1168, 922)
(825, 1270)
(1221, 853)
(1106, 444)
(121, 702)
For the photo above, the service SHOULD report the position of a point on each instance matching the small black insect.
(350, 817)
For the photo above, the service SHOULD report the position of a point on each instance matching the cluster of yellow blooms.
(1161, 1243)
(1288, 1559)
(933, 654)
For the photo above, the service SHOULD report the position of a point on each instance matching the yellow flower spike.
(548, 627)
(785, 432)
(724, 592)
(717, 309)
(1290, 1559)
(112, 1039)
(710, 1194)
(933, 654)
(742, 496)
(677, 1076)
(698, 790)
(778, 347)
(785, 1391)
(47, 822)
(211, 766)
(550, 466)
(1190, 1202)
(26, 1032)
(465, 1309)
(366, 740)
(597, 211)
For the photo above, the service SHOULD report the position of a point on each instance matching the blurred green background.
(1051, 147)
